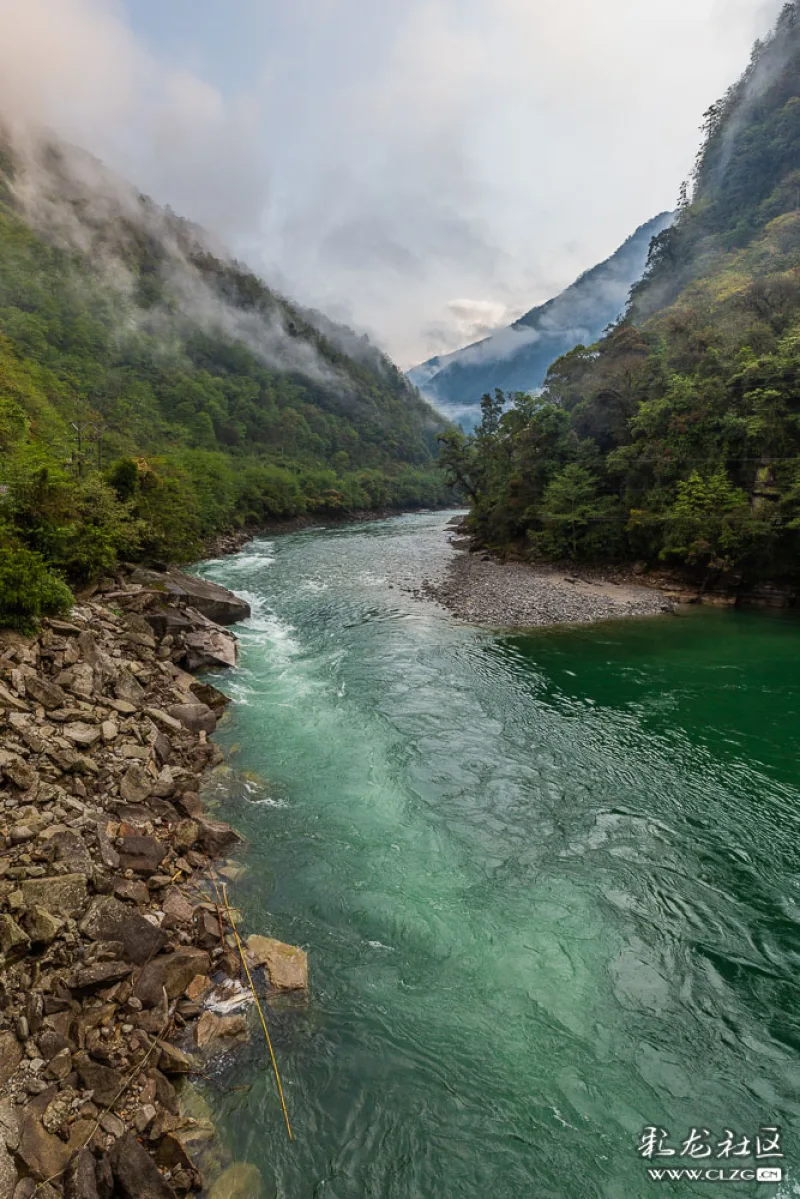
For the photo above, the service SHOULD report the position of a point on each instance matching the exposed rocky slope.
(113, 940)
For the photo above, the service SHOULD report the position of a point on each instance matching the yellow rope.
(260, 1011)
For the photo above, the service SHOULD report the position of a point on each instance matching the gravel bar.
(517, 595)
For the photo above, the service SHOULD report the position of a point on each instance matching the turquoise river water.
(548, 884)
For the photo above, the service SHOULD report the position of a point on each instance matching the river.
(548, 883)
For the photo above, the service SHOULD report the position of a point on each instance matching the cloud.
(465, 321)
(385, 158)
(75, 66)
(494, 149)
(80, 205)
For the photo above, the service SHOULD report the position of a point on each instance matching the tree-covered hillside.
(676, 438)
(153, 392)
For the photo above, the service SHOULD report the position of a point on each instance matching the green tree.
(710, 524)
(568, 506)
(29, 590)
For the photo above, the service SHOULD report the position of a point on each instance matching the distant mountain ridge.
(516, 358)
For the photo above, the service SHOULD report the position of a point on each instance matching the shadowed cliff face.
(516, 357)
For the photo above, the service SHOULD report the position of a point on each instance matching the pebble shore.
(120, 972)
(482, 591)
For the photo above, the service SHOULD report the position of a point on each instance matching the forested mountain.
(153, 391)
(677, 436)
(516, 358)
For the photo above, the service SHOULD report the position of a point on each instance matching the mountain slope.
(144, 372)
(516, 358)
(677, 436)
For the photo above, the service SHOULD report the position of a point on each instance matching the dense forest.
(676, 438)
(154, 393)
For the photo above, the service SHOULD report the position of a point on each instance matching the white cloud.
(416, 150)
(75, 66)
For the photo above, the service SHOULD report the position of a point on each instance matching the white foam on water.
(229, 996)
(255, 795)
(248, 561)
(265, 624)
(368, 578)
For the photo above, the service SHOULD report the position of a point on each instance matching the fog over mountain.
(516, 357)
(421, 170)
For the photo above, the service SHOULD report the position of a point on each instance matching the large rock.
(239, 1181)
(214, 602)
(136, 784)
(63, 895)
(44, 1154)
(81, 1180)
(8, 1174)
(41, 926)
(104, 1081)
(84, 735)
(79, 679)
(9, 1124)
(173, 1060)
(209, 648)
(10, 1056)
(127, 688)
(16, 770)
(70, 848)
(286, 965)
(86, 979)
(136, 1175)
(109, 920)
(211, 1027)
(205, 693)
(173, 971)
(48, 694)
(13, 941)
(143, 855)
(196, 718)
(216, 837)
(9, 700)
(177, 909)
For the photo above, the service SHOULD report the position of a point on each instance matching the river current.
(548, 884)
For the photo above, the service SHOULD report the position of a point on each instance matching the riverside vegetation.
(154, 393)
(119, 974)
(675, 439)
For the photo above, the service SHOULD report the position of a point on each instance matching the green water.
(548, 884)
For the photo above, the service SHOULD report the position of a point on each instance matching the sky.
(423, 170)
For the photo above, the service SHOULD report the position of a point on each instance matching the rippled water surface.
(548, 884)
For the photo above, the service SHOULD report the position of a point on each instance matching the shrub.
(99, 530)
(28, 590)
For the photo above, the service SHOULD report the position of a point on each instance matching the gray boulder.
(8, 1174)
(214, 602)
(63, 894)
(194, 717)
(110, 920)
(136, 1175)
(172, 972)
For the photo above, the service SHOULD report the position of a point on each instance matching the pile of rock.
(110, 942)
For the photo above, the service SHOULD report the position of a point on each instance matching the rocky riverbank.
(509, 593)
(120, 971)
(517, 595)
